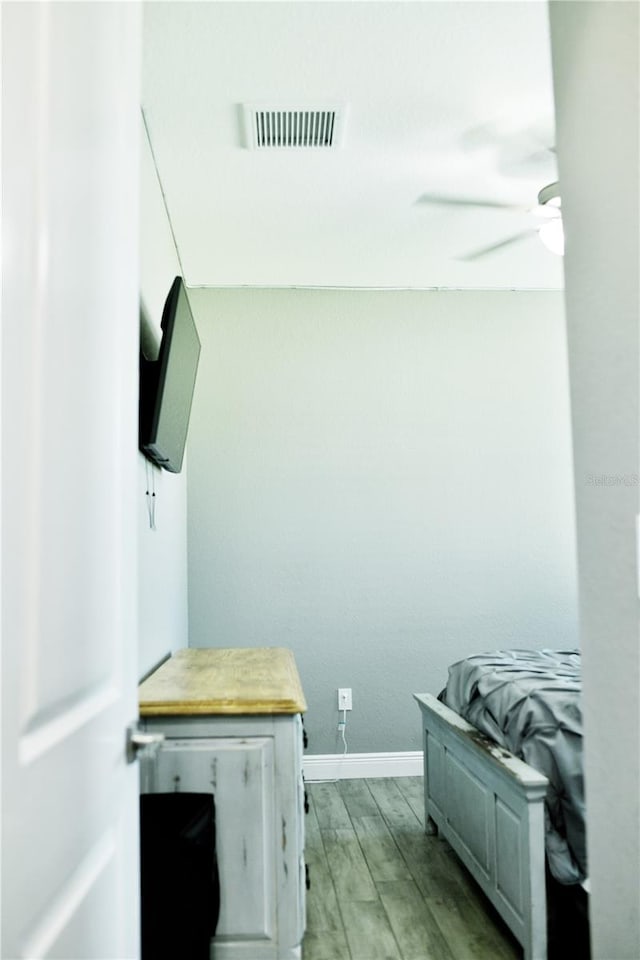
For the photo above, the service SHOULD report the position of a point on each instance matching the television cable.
(151, 496)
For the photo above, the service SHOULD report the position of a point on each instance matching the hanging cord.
(342, 726)
(342, 729)
(151, 496)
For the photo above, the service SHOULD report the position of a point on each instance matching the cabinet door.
(239, 771)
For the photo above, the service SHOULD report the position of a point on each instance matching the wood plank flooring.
(383, 890)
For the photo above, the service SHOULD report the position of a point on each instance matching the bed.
(503, 779)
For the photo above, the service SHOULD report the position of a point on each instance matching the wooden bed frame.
(489, 806)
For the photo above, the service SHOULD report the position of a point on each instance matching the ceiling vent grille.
(283, 127)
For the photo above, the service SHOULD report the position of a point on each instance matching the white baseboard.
(351, 766)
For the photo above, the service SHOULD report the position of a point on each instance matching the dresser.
(232, 722)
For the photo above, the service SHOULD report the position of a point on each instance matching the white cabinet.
(252, 763)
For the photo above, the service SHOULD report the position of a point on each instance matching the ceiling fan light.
(552, 235)
(550, 194)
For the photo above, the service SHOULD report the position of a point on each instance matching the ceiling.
(443, 100)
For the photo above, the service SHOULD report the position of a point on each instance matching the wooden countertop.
(239, 680)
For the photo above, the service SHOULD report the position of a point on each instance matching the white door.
(70, 115)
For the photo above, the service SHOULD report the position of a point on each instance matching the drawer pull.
(138, 742)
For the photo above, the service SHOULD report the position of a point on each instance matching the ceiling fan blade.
(437, 198)
(485, 251)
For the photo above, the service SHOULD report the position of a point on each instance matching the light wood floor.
(382, 890)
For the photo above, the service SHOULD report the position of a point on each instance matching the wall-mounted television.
(167, 384)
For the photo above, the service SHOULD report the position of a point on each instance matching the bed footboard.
(489, 806)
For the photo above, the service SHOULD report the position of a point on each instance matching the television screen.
(167, 384)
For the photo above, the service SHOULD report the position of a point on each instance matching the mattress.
(529, 701)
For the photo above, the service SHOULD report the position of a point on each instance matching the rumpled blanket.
(529, 701)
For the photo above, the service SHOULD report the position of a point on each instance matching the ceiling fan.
(547, 213)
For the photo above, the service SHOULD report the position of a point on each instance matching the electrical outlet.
(344, 698)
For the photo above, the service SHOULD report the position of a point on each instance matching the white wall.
(597, 83)
(382, 482)
(163, 615)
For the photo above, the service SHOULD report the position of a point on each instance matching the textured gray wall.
(162, 552)
(382, 482)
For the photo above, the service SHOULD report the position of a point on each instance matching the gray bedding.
(528, 701)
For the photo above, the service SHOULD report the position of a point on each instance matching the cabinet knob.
(307, 878)
(138, 742)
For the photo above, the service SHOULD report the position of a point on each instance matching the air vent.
(297, 128)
